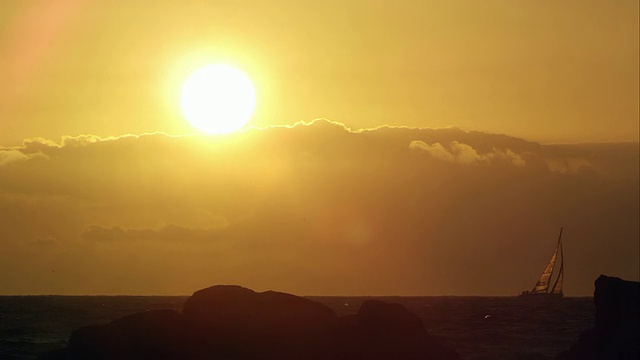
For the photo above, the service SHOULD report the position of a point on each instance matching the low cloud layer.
(166, 233)
(313, 209)
(466, 154)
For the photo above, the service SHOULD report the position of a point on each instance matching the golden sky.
(549, 71)
(453, 140)
(314, 209)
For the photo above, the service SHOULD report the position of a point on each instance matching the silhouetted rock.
(382, 317)
(242, 323)
(382, 330)
(239, 310)
(617, 328)
(231, 322)
(617, 318)
(159, 334)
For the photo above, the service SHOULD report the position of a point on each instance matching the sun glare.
(218, 99)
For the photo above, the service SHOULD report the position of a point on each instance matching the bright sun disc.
(218, 99)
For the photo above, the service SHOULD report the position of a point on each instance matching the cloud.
(508, 156)
(436, 150)
(80, 140)
(466, 154)
(9, 156)
(103, 234)
(568, 165)
(44, 243)
(96, 233)
(38, 144)
(315, 208)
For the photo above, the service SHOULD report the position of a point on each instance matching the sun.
(218, 99)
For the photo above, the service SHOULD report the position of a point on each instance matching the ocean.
(478, 328)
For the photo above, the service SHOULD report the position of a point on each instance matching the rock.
(232, 322)
(234, 309)
(617, 326)
(252, 325)
(385, 318)
(159, 334)
(617, 318)
(383, 330)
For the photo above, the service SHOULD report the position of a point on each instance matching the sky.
(546, 71)
(397, 147)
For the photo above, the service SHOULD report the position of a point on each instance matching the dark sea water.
(477, 328)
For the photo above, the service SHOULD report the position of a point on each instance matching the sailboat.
(542, 288)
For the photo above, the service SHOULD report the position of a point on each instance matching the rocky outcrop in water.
(232, 322)
(617, 326)
(236, 310)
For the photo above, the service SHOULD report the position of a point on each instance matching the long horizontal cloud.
(465, 154)
(166, 233)
(461, 146)
(314, 208)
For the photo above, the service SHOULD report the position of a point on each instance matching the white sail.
(542, 286)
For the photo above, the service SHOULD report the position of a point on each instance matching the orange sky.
(314, 209)
(436, 168)
(542, 70)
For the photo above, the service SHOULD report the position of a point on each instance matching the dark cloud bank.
(314, 209)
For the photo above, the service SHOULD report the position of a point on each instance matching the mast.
(557, 286)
